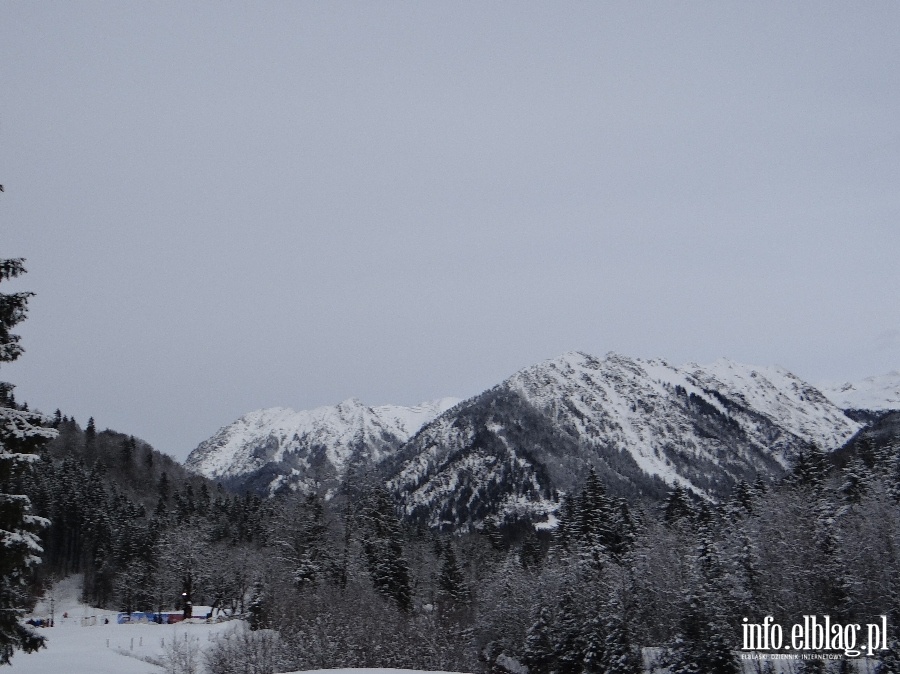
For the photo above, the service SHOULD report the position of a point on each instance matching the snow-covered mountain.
(510, 452)
(271, 448)
(642, 424)
(875, 394)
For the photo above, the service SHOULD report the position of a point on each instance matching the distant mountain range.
(512, 451)
(279, 448)
(874, 394)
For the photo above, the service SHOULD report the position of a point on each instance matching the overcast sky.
(231, 205)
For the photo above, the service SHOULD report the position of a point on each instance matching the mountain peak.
(877, 393)
(508, 453)
(318, 444)
(643, 425)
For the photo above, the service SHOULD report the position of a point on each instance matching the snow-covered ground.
(80, 642)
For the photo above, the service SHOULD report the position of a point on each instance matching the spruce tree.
(620, 655)
(855, 481)
(594, 646)
(451, 582)
(677, 506)
(704, 640)
(538, 655)
(383, 549)
(568, 637)
(21, 434)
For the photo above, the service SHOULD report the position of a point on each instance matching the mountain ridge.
(879, 393)
(513, 450)
(323, 441)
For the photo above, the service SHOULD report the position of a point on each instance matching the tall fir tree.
(451, 583)
(383, 549)
(539, 651)
(620, 655)
(21, 434)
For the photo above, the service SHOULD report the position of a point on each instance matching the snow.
(630, 403)
(236, 449)
(368, 670)
(642, 407)
(80, 642)
(877, 393)
(410, 419)
(783, 398)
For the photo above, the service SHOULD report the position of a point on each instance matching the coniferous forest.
(614, 587)
(345, 582)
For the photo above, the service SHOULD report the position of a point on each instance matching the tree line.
(613, 588)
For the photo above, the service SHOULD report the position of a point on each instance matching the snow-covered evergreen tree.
(620, 655)
(539, 647)
(567, 636)
(678, 505)
(383, 548)
(855, 481)
(21, 434)
(451, 583)
(704, 642)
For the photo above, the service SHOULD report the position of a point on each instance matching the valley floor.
(81, 643)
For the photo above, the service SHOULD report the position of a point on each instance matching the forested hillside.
(116, 509)
(347, 582)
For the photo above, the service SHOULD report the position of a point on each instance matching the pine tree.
(539, 647)
(257, 608)
(568, 637)
(163, 489)
(703, 643)
(126, 453)
(620, 656)
(567, 530)
(383, 548)
(810, 469)
(302, 541)
(21, 434)
(741, 503)
(90, 432)
(677, 506)
(594, 646)
(451, 583)
(855, 481)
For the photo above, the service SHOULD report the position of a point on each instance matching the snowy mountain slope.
(508, 453)
(880, 393)
(475, 463)
(782, 398)
(310, 446)
(642, 424)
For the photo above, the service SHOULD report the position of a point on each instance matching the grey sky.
(228, 206)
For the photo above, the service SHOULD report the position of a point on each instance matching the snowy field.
(80, 642)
